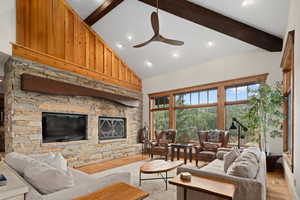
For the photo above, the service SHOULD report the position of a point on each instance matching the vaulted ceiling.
(128, 23)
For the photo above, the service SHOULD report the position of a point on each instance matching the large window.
(190, 121)
(236, 107)
(206, 107)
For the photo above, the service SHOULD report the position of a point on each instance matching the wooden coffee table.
(118, 191)
(159, 167)
(213, 186)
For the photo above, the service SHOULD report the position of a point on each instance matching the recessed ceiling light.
(149, 64)
(247, 3)
(210, 44)
(129, 37)
(175, 55)
(120, 46)
(0, 80)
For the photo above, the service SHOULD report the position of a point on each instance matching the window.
(161, 120)
(161, 102)
(190, 110)
(238, 111)
(190, 121)
(197, 98)
(241, 93)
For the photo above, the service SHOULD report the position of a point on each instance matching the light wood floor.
(276, 189)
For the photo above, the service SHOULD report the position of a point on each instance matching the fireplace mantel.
(43, 85)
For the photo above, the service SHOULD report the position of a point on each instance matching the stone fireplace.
(24, 112)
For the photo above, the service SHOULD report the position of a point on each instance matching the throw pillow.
(220, 154)
(211, 146)
(47, 179)
(18, 161)
(255, 151)
(229, 158)
(245, 166)
(53, 159)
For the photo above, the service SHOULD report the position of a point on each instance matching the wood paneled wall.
(51, 32)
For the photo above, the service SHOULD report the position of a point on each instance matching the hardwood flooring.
(276, 189)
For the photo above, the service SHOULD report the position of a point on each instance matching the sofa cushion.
(229, 158)
(211, 146)
(18, 161)
(246, 166)
(47, 179)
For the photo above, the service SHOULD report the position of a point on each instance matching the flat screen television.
(59, 127)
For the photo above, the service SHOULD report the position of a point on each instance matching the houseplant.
(265, 114)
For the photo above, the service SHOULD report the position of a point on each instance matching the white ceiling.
(133, 18)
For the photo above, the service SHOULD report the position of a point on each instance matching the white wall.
(252, 63)
(7, 25)
(294, 24)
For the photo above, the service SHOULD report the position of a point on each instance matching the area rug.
(156, 188)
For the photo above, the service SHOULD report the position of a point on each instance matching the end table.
(186, 147)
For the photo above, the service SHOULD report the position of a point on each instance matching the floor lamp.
(236, 125)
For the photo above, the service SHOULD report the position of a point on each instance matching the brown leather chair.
(161, 146)
(209, 142)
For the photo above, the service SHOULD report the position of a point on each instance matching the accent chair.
(209, 142)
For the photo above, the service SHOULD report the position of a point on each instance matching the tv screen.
(58, 127)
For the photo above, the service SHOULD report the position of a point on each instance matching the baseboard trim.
(289, 177)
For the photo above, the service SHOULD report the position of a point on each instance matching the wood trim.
(101, 11)
(236, 102)
(218, 22)
(172, 114)
(43, 85)
(214, 85)
(196, 106)
(158, 109)
(287, 65)
(54, 31)
(30, 54)
(221, 108)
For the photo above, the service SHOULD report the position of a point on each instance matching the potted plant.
(265, 114)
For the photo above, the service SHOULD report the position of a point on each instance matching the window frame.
(220, 104)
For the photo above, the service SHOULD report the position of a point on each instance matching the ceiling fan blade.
(145, 43)
(155, 22)
(170, 41)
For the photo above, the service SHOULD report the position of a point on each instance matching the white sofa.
(83, 184)
(246, 188)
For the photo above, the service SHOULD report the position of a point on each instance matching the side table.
(215, 187)
(186, 147)
(272, 161)
(15, 189)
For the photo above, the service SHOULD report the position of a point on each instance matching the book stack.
(3, 180)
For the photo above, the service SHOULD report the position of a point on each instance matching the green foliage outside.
(265, 113)
(190, 121)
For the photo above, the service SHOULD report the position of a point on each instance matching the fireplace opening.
(112, 128)
(59, 127)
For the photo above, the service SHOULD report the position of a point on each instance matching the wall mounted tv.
(59, 127)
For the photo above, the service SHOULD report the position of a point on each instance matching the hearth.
(59, 127)
(112, 128)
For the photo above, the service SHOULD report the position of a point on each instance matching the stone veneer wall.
(23, 116)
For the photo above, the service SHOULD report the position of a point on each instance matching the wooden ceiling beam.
(101, 11)
(218, 22)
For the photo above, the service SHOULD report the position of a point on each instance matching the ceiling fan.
(157, 37)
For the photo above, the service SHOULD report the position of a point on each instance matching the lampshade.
(232, 127)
